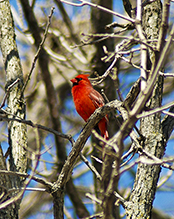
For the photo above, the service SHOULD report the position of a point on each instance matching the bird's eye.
(78, 79)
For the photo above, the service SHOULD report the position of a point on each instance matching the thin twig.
(165, 75)
(107, 71)
(99, 137)
(123, 164)
(83, 3)
(91, 167)
(7, 92)
(168, 113)
(143, 47)
(157, 110)
(120, 198)
(96, 159)
(116, 24)
(105, 36)
(164, 179)
(30, 123)
(97, 215)
(93, 198)
(38, 51)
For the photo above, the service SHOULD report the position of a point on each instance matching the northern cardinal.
(87, 100)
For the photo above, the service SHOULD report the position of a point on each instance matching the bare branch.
(165, 75)
(99, 7)
(39, 49)
(91, 167)
(157, 110)
(30, 123)
(93, 198)
(143, 47)
(168, 113)
(7, 92)
(164, 25)
(79, 144)
(168, 124)
(25, 175)
(151, 81)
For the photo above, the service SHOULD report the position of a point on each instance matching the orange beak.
(73, 80)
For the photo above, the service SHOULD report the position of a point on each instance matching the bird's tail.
(103, 128)
(106, 135)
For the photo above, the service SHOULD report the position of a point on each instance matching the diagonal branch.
(83, 3)
(38, 51)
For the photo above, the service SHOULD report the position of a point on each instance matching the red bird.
(87, 100)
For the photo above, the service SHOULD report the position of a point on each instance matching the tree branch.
(83, 3)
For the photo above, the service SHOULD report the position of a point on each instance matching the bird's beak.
(73, 80)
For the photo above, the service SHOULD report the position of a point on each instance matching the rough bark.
(147, 176)
(16, 106)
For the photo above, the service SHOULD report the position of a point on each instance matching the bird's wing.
(96, 98)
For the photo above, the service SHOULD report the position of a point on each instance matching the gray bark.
(16, 106)
(143, 194)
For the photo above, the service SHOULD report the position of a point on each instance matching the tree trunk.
(147, 176)
(16, 106)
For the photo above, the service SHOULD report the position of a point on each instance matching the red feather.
(87, 100)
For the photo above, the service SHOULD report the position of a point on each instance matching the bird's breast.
(83, 103)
